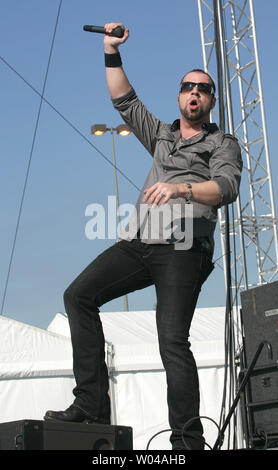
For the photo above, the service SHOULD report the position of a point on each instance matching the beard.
(197, 115)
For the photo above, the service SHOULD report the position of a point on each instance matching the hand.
(112, 43)
(161, 193)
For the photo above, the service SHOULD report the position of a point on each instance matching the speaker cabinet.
(260, 320)
(53, 435)
(260, 323)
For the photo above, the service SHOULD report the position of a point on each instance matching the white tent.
(36, 371)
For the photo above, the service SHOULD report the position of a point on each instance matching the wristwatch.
(188, 198)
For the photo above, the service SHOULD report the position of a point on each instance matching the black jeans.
(123, 268)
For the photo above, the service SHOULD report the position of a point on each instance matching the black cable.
(43, 99)
(228, 320)
(30, 158)
(233, 302)
(221, 125)
(186, 425)
(69, 123)
(237, 312)
(160, 432)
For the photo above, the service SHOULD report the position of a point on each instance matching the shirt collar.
(208, 127)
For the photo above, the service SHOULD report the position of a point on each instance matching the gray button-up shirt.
(210, 155)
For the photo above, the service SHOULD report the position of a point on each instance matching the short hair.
(202, 71)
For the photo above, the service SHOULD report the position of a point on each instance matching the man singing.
(193, 163)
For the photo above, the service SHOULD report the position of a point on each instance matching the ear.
(213, 101)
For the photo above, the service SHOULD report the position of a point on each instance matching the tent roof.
(140, 327)
(133, 335)
(28, 351)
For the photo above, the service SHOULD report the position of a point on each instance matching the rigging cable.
(43, 99)
(30, 158)
(234, 313)
(229, 339)
(70, 123)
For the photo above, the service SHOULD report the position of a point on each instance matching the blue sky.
(67, 173)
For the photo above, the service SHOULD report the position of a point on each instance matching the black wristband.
(113, 60)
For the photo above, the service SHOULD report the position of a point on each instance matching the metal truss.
(253, 224)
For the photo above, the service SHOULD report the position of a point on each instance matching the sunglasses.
(202, 87)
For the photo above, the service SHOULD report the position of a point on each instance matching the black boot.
(74, 414)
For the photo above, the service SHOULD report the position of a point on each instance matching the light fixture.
(98, 129)
(123, 129)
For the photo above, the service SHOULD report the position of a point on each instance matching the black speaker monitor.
(260, 323)
(53, 435)
(260, 320)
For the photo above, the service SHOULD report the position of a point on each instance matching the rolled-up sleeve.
(143, 123)
(225, 169)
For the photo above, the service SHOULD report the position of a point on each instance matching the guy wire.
(30, 159)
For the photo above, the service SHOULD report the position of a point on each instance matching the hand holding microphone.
(115, 33)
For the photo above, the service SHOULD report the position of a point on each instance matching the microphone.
(117, 32)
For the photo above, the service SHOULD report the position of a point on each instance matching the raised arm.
(144, 125)
(117, 81)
